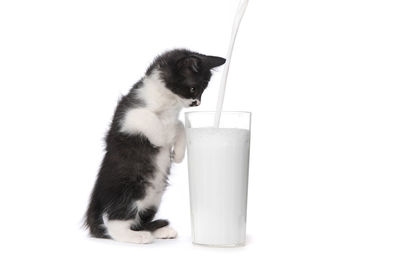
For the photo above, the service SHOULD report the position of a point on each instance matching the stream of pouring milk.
(238, 18)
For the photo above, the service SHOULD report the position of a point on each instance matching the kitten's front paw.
(178, 154)
(180, 144)
(165, 232)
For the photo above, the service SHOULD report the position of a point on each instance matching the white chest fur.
(169, 120)
(165, 104)
(158, 119)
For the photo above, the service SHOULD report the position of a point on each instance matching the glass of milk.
(218, 161)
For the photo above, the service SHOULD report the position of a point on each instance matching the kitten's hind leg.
(150, 226)
(120, 230)
(158, 228)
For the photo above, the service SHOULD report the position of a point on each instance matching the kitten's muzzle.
(195, 103)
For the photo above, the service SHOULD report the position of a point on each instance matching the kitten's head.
(186, 73)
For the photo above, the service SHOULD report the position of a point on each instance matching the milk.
(218, 161)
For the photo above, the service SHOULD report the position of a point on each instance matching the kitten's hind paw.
(165, 232)
(143, 237)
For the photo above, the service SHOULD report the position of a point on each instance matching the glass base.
(220, 245)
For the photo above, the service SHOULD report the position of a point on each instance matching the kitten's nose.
(195, 102)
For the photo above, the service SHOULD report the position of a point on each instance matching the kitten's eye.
(192, 90)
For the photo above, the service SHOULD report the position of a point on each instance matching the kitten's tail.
(95, 223)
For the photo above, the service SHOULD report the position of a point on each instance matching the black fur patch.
(182, 70)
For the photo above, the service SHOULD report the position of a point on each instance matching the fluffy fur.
(144, 137)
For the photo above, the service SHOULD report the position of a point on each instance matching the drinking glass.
(218, 164)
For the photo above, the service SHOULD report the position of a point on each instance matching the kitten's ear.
(212, 62)
(189, 63)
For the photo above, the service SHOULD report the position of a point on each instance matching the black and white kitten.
(144, 137)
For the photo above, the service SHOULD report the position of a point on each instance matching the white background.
(321, 78)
